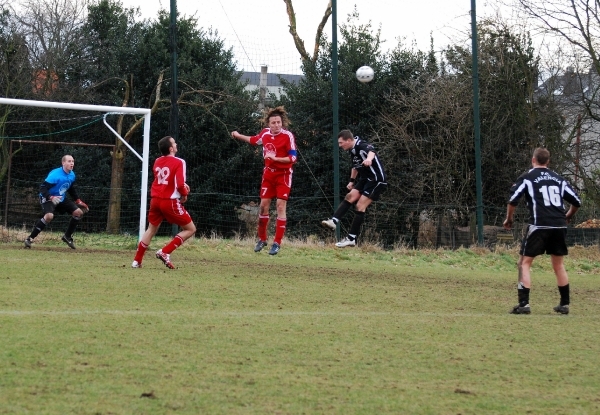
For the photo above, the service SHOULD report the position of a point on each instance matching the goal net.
(110, 146)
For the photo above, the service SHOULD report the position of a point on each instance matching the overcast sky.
(258, 29)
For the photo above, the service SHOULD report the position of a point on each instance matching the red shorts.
(276, 183)
(170, 210)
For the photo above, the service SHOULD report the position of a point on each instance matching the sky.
(257, 30)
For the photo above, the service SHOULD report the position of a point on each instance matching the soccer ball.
(365, 74)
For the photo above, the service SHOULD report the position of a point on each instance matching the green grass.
(311, 330)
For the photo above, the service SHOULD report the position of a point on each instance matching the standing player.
(544, 191)
(367, 182)
(169, 190)
(279, 153)
(52, 198)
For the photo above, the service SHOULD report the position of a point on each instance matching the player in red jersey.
(279, 152)
(169, 190)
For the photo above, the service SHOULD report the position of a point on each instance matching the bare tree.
(430, 120)
(15, 73)
(578, 23)
(573, 81)
(50, 27)
(428, 129)
(298, 41)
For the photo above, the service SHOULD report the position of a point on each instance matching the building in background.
(268, 84)
(575, 94)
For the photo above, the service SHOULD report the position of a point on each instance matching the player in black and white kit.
(367, 182)
(544, 191)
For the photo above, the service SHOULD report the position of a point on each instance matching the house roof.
(569, 86)
(253, 78)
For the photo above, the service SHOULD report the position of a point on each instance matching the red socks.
(280, 230)
(263, 221)
(173, 245)
(141, 250)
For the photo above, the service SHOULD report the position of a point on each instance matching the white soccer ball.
(365, 74)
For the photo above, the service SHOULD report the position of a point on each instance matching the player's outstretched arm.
(241, 137)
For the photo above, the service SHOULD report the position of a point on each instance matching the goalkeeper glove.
(55, 200)
(81, 205)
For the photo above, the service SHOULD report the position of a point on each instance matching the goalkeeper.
(53, 199)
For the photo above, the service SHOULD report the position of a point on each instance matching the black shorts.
(544, 241)
(66, 206)
(370, 188)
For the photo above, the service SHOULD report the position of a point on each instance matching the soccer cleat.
(260, 245)
(165, 258)
(518, 309)
(345, 242)
(329, 223)
(274, 249)
(562, 309)
(68, 241)
(28, 243)
(136, 264)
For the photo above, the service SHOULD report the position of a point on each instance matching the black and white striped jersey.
(359, 153)
(545, 192)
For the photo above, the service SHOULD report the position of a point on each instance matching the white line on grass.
(25, 313)
(185, 313)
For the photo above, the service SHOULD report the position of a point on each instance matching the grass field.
(312, 330)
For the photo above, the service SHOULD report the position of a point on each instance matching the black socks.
(564, 295)
(37, 228)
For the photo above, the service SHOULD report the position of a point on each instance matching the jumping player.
(169, 190)
(367, 182)
(52, 198)
(544, 191)
(279, 153)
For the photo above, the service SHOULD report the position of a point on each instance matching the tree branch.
(326, 15)
(297, 40)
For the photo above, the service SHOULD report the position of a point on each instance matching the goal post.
(144, 157)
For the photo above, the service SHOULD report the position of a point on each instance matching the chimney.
(262, 86)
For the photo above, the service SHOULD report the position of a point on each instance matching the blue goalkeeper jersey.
(60, 181)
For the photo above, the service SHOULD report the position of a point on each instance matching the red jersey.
(280, 145)
(169, 178)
